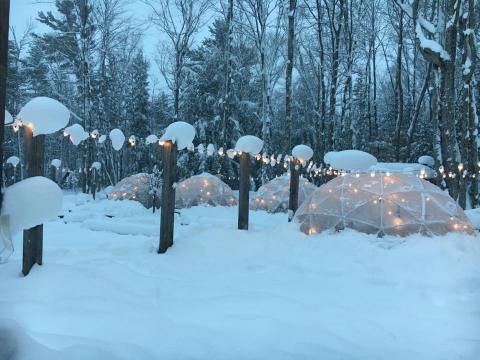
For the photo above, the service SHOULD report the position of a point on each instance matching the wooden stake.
(34, 148)
(168, 196)
(243, 191)
(294, 185)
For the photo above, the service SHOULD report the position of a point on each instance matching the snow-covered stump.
(300, 155)
(243, 191)
(168, 196)
(34, 148)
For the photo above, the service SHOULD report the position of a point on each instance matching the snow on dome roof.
(204, 189)
(350, 160)
(426, 160)
(302, 152)
(13, 160)
(8, 118)
(31, 202)
(249, 144)
(45, 114)
(117, 138)
(180, 133)
(77, 133)
(397, 204)
(151, 139)
(410, 168)
(56, 162)
(273, 196)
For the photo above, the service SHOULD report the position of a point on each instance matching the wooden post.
(33, 238)
(294, 185)
(243, 191)
(93, 181)
(53, 173)
(168, 196)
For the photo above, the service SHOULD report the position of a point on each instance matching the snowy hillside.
(220, 293)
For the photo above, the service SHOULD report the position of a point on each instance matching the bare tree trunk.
(288, 74)
(228, 79)
(399, 90)
(4, 20)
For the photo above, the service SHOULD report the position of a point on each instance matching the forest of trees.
(396, 78)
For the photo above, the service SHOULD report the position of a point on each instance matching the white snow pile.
(350, 160)
(13, 160)
(31, 202)
(117, 138)
(426, 160)
(8, 118)
(57, 163)
(96, 165)
(180, 133)
(210, 149)
(151, 139)
(77, 133)
(102, 139)
(302, 152)
(249, 144)
(45, 115)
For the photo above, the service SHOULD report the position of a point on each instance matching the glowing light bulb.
(460, 166)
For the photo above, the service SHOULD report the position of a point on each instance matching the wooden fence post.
(243, 191)
(53, 173)
(294, 185)
(167, 216)
(33, 238)
(93, 181)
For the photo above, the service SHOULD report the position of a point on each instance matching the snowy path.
(220, 293)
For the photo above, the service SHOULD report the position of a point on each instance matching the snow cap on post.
(56, 162)
(96, 165)
(151, 139)
(13, 160)
(180, 133)
(249, 144)
(31, 202)
(45, 115)
(8, 118)
(117, 138)
(302, 152)
(102, 139)
(77, 133)
(350, 160)
(426, 160)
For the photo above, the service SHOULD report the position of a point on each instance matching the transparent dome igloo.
(382, 204)
(273, 196)
(137, 188)
(204, 189)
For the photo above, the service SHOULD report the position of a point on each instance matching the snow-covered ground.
(220, 293)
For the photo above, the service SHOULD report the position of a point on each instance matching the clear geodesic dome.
(204, 189)
(382, 204)
(273, 196)
(135, 187)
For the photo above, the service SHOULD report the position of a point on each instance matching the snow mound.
(302, 152)
(56, 162)
(13, 160)
(151, 139)
(31, 202)
(102, 139)
(180, 133)
(249, 144)
(407, 168)
(96, 165)
(426, 160)
(46, 115)
(397, 204)
(117, 138)
(273, 196)
(350, 160)
(8, 118)
(204, 189)
(77, 133)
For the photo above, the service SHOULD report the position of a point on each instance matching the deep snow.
(221, 293)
